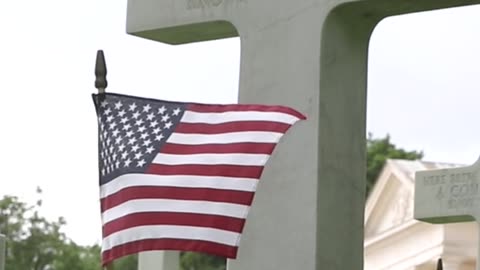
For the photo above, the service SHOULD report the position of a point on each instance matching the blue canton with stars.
(131, 132)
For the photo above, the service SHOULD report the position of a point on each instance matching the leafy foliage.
(35, 243)
(200, 261)
(378, 151)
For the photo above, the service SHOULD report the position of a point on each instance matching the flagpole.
(439, 264)
(100, 72)
(101, 84)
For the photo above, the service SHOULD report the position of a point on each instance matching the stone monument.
(310, 55)
(448, 195)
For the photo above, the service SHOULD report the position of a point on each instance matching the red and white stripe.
(196, 194)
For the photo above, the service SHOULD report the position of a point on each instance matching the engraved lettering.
(434, 180)
(465, 177)
(200, 4)
(440, 194)
(460, 203)
(467, 203)
(464, 190)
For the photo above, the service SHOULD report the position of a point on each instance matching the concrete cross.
(448, 195)
(311, 55)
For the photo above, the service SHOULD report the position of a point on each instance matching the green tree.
(378, 151)
(73, 256)
(35, 243)
(127, 263)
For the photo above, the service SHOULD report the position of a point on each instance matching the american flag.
(180, 176)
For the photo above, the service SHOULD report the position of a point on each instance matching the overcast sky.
(424, 89)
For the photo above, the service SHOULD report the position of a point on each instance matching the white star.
(147, 142)
(168, 125)
(159, 137)
(144, 136)
(138, 155)
(129, 133)
(104, 104)
(122, 113)
(153, 124)
(165, 118)
(146, 108)
(132, 107)
(118, 140)
(124, 120)
(176, 111)
(141, 163)
(162, 110)
(132, 140)
(157, 130)
(121, 147)
(107, 111)
(142, 129)
(110, 118)
(117, 164)
(150, 116)
(127, 162)
(150, 149)
(115, 133)
(118, 105)
(124, 155)
(113, 125)
(127, 127)
(136, 115)
(135, 148)
(103, 172)
(139, 122)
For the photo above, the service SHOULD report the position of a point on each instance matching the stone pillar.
(159, 260)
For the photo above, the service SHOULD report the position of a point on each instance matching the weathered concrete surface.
(311, 55)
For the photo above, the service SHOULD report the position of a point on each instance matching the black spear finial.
(440, 264)
(100, 72)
